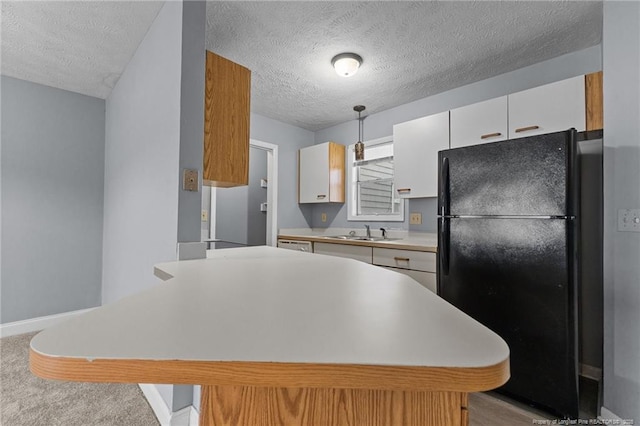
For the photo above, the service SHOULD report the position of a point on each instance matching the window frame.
(352, 201)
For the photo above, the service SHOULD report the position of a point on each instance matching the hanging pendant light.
(359, 145)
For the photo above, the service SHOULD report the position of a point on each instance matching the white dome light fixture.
(346, 64)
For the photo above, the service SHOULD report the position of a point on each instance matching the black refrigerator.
(508, 220)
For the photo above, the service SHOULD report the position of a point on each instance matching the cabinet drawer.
(360, 253)
(406, 259)
(426, 279)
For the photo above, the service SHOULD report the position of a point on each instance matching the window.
(372, 195)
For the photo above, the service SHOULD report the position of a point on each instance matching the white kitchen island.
(278, 337)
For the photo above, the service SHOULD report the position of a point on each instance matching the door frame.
(272, 188)
(272, 192)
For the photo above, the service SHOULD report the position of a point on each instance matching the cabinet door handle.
(526, 129)
(321, 196)
(491, 135)
(401, 259)
(404, 190)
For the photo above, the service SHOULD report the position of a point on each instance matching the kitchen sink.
(360, 238)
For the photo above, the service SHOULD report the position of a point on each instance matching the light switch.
(629, 220)
(323, 217)
(204, 215)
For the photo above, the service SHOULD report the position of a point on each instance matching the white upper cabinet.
(415, 150)
(549, 108)
(482, 122)
(321, 173)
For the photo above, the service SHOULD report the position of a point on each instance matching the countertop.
(260, 311)
(416, 241)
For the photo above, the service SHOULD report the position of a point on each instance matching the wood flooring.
(489, 410)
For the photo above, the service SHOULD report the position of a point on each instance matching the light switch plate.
(190, 180)
(204, 215)
(629, 220)
(323, 217)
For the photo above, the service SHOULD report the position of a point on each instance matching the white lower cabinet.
(361, 253)
(419, 265)
(426, 279)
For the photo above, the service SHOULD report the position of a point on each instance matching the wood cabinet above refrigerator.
(226, 122)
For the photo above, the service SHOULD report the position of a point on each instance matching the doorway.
(246, 215)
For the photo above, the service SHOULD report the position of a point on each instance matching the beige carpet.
(26, 400)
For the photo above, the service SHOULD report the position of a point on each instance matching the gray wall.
(238, 216)
(621, 68)
(289, 140)
(153, 130)
(52, 191)
(141, 165)
(381, 124)
(191, 115)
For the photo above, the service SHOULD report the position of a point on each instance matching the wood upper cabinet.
(226, 122)
(482, 122)
(549, 108)
(321, 173)
(415, 154)
(593, 99)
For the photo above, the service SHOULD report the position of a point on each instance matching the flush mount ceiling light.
(346, 64)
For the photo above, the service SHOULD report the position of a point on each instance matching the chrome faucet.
(368, 231)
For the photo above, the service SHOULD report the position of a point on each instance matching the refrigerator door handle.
(444, 187)
(443, 245)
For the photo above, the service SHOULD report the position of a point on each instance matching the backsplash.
(337, 216)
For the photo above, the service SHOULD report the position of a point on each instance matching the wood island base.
(268, 406)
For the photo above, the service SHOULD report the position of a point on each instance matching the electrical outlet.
(323, 217)
(204, 215)
(415, 219)
(629, 220)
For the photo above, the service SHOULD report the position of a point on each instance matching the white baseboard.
(194, 417)
(157, 404)
(188, 416)
(607, 415)
(37, 324)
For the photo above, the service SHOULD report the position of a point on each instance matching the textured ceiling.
(410, 49)
(81, 46)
